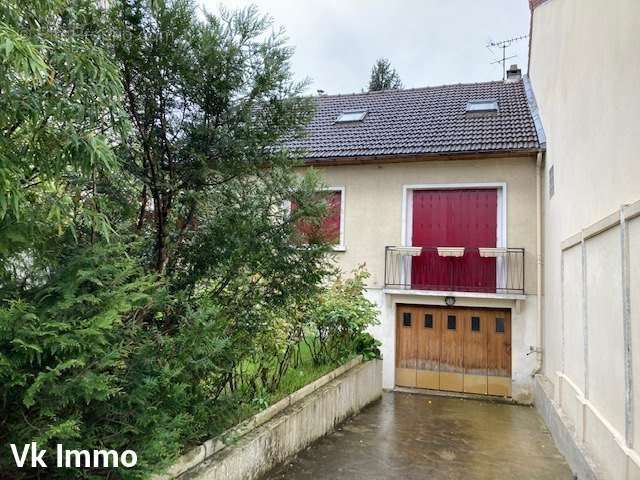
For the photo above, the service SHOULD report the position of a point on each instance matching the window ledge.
(339, 248)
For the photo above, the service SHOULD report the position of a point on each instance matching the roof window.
(482, 106)
(351, 116)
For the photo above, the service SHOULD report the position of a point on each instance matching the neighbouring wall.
(599, 341)
(584, 69)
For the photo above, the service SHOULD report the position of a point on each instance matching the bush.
(64, 352)
(340, 319)
(85, 362)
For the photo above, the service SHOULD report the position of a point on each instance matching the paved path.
(422, 437)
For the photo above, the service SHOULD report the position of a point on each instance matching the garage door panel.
(499, 354)
(454, 349)
(429, 343)
(406, 346)
(475, 352)
(451, 356)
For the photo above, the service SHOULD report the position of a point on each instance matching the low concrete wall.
(285, 428)
(562, 431)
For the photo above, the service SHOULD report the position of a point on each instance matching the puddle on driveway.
(413, 437)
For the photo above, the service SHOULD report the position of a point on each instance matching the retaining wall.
(282, 430)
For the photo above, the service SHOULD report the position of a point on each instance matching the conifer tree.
(384, 76)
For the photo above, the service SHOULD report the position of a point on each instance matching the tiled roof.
(430, 120)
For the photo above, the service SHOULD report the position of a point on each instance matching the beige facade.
(584, 70)
(375, 216)
(374, 195)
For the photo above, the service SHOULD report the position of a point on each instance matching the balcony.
(497, 271)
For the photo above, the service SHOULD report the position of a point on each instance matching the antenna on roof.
(503, 44)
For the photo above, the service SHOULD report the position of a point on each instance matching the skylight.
(482, 106)
(351, 116)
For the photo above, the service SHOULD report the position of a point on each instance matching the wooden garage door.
(406, 346)
(454, 349)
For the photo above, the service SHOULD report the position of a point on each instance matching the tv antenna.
(504, 44)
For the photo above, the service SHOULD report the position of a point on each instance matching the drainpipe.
(538, 348)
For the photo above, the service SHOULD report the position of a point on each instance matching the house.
(463, 208)
(584, 69)
(435, 190)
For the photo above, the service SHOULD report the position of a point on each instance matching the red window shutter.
(454, 218)
(329, 230)
(331, 225)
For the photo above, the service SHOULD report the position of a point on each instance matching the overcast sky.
(429, 42)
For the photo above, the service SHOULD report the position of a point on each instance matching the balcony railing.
(455, 269)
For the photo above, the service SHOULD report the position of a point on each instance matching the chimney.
(514, 73)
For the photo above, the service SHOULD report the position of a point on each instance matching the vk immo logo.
(32, 456)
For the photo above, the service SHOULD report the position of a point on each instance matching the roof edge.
(535, 112)
(417, 157)
(410, 89)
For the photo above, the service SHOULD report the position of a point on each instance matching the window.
(482, 106)
(499, 325)
(475, 324)
(351, 116)
(406, 319)
(451, 322)
(428, 321)
(332, 228)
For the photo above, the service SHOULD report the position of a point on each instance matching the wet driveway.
(407, 436)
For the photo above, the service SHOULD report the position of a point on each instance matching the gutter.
(419, 157)
(542, 140)
(539, 317)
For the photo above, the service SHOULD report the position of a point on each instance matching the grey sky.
(429, 42)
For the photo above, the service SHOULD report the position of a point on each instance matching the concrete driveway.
(407, 436)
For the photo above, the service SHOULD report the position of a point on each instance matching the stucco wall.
(584, 69)
(373, 204)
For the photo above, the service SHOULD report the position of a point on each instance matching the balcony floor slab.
(440, 293)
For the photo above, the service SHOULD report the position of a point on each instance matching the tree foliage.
(207, 103)
(384, 76)
(59, 107)
(152, 281)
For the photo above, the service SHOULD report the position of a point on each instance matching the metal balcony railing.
(455, 269)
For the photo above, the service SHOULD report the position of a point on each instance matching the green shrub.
(339, 319)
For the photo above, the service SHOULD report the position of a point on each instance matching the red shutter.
(329, 231)
(331, 224)
(454, 218)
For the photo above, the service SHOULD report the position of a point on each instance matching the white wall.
(584, 69)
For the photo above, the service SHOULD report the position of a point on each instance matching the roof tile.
(428, 120)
